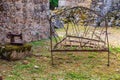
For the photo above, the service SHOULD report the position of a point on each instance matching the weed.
(115, 49)
(76, 76)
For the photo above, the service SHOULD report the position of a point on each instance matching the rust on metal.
(12, 37)
(1, 78)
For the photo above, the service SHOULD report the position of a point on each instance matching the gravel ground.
(114, 36)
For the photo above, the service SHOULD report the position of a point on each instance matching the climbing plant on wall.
(53, 4)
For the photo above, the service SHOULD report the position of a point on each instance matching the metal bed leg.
(108, 58)
(52, 58)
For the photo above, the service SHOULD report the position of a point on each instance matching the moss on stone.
(10, 48)
(7, 50)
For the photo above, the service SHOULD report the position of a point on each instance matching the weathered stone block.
(12, 52)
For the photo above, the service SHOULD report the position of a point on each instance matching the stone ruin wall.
(28, 17)
(92, 3)
(72, 3)
(109, 8)
(115, 4)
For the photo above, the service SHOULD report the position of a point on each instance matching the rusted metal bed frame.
(89, 39)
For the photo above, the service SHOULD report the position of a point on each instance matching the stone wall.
(105, 5)
(28, 17)
(72, 3)
(67, 3)
(109, 8)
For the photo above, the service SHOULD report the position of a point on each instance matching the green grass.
(39, 43)
(68, 66)
(115, 49)
(77, 76)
